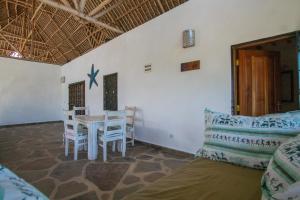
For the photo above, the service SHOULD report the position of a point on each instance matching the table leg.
(95, 141)
(92, 142)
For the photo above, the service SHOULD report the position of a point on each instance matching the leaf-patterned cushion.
(282, 178)
(246, 141)
(13, 187)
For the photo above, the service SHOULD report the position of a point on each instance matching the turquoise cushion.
(246, 141)
(282, 177)
(14, 188)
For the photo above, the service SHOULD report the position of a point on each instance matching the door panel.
(257, 88)
(110, 92)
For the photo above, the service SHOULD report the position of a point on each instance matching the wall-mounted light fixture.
(188, 38)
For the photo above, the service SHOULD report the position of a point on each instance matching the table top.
(90, 118)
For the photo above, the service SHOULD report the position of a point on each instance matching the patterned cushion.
(295, 114)
(13, 187)
(246, 141)
(282, 178)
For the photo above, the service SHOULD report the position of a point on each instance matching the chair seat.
(129, 125)
(110, 136)
(82, 128)
(79, 134)
(111, 128)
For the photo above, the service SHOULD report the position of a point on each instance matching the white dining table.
(92, 123)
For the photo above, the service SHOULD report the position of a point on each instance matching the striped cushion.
(246, 141)
(282, 178)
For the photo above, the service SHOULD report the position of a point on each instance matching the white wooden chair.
(79, 111)
(114, 130)
(81, 127)
(130, 119)
(85, 109)
(78, 136)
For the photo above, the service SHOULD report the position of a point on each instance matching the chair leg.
(66, 146)
(104, 151)
(85, 146)
(114, 146)
(123, 147)
(132, 137)
(75, 150)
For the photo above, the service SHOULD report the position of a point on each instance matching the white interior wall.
(29, 92)
(170, 102)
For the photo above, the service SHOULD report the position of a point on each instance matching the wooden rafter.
(66, 3)
(99, 7)
(76, 4)
(79, 14)
(11, 44)
(161, 6)
(104, 12)
(52, 48)
(60, 30)
(82, 5)
(31, 31)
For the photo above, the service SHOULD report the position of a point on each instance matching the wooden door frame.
(234, 64)
(104, 96)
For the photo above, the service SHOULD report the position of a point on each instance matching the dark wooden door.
(257, 85)
(77, 95)
(110, 92)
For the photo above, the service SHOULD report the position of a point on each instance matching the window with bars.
(77, 96)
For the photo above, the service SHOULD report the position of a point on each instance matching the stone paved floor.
(36, 154)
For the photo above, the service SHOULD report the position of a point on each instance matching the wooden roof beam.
(82, 5)
(12, 45)
(17, 37)
(104, 12)
(76, 4)
(53, 47)
(31, 31)
(66, 3)
(160, 6)
(99, 7)
(81, 15)
(3, 36)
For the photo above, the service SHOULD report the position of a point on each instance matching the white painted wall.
(29, 92)
(171, 102)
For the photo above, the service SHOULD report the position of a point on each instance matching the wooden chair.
(78, 111)
(130, 119)
(79, 136)
(81, 110)
(114, 130)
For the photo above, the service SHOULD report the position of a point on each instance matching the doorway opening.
(265, 75)
(77, 96)
(110, 92)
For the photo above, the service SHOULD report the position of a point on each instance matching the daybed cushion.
(204, 179)
(282, 178)
(246, 141)
(14, 188)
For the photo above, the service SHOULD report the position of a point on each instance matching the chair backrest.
(70, 123)
(115, 123)
(81, 110)
(130, 114)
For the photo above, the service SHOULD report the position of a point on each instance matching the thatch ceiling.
(57, 31)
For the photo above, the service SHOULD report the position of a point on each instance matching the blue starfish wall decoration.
(92, 76)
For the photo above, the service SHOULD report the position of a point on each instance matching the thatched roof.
(57, 31)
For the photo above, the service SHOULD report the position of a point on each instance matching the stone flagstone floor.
(36, 154)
